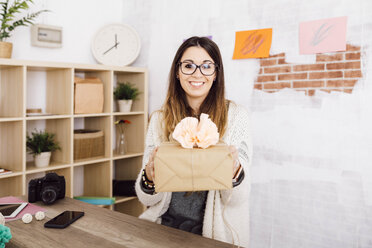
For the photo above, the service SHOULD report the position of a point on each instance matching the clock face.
(116, 44)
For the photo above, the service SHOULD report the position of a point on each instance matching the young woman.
(196, 85)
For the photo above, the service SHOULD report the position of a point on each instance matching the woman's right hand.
(150, 172)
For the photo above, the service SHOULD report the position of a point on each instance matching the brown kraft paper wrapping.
(88, 95)
(197, 169)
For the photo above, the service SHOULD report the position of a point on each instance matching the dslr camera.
(47, 189)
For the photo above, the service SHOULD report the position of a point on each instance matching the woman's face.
(196, 85)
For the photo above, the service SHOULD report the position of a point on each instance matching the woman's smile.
(196, 84)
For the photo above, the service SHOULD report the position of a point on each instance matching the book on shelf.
(5, 171)
(96, 200)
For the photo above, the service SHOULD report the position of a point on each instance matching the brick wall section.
(337, 71)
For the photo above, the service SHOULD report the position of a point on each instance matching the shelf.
(91, 160)
(102, 124)
(129, 113)
(45, 117)
(11, 186)
(31, 168)
(61, 128)
(11, 148)
(49, 86)
(133, 132)
(13, 174)
(127, 169)
(121, 199)
(91, 115)
(95, 179)
(137, 79)
(66, 172)
(106, 78)
(7, 119)
(128, 155)
(12, 82)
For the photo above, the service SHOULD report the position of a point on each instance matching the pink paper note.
(321, 36)
(30, 208)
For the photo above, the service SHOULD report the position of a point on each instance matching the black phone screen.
(64, 219)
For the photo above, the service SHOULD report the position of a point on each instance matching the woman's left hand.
(235, 156)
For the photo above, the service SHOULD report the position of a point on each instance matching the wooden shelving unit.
(19, 80)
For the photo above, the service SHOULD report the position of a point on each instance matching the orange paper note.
(252, 44)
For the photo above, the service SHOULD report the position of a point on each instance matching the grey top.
(186, 212)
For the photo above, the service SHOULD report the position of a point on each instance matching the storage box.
(88, 143)
(88, 95)
(197, 169)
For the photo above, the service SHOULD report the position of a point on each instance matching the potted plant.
(9, 8)
(41, 144)
(125, 94)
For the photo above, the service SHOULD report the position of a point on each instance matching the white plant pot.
(125, 105)
(42, 159)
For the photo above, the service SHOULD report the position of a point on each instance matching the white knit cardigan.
(226, 211)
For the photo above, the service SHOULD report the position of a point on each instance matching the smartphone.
(64, 219)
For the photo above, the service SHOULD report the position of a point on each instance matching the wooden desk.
(101, 227)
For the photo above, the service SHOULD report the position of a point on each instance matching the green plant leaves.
(8, 15)
(126, 91)
(41, 141)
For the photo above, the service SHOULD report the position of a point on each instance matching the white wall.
(79, 19)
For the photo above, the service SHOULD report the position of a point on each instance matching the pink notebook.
(30, 208)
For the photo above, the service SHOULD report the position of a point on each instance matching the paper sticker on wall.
(252, 44)
(321, 36)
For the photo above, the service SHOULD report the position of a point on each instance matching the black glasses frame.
(198, 66)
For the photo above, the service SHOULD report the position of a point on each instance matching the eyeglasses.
(207, 69)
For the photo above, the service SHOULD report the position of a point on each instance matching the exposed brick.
(260, 71)
(310, 92)
(267, 62)
(333, 57)
(292, 76)
(281, 62)
(313, 67)
(348, 91)
(341, 83)
(330, 74)
(352, 48)
(352, 74)
(308, 84)
(258, 86)
(347, 65)
(266, 78)
(277, 55)
(351, 56)
(278, 69)
(276, 85)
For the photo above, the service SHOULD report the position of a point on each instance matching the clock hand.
(111, 48)
(116, 41)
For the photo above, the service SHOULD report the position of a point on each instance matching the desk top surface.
(101, 227)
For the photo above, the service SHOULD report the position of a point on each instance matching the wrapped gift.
(196, 169)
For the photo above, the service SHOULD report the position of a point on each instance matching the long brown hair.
(176, 106)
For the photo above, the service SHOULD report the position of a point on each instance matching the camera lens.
(49, 195)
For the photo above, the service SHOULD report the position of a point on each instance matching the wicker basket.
(88, 143)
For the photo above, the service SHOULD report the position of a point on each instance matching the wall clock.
(116, 44)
